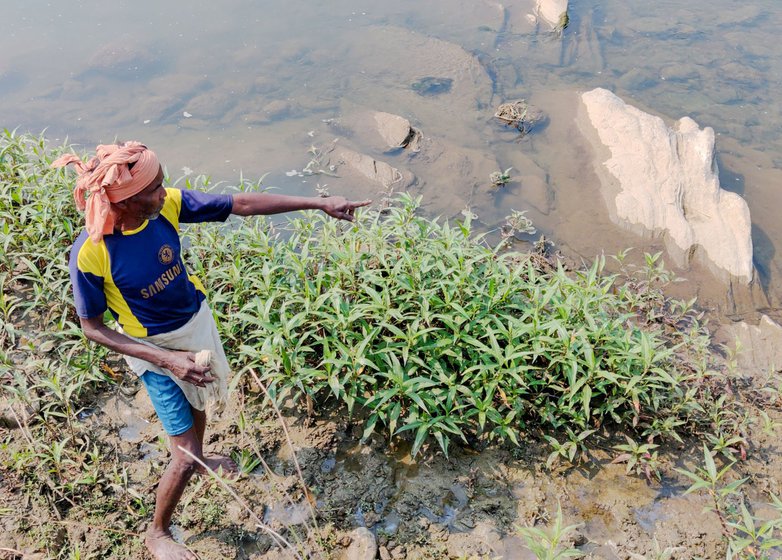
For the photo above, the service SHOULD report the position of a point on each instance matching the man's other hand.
(183, 366)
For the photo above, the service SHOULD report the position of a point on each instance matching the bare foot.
(163, 547)
(216, 462)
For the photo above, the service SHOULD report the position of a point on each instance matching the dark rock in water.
(123, 61)
(432, 86)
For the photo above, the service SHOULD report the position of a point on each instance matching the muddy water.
(242, 86)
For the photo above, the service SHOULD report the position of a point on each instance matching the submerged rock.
(396, 131)
(122, 60)
(370, 168)
(520, 115)
(665, 180)
(456, 93)
(431, 85)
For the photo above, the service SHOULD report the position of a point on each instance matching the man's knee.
(186, 452)
(183, 463)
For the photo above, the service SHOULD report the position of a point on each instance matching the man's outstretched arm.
(254, 204)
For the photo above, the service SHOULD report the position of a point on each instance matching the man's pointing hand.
(341, 208)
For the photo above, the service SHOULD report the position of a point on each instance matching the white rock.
(666, 180)
(362, 545)
(552, 10)
(759, 347)
(376, 131)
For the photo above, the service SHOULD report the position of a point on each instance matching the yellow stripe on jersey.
(197, 283)
(94, 259)
(172, 206)
(170, 211)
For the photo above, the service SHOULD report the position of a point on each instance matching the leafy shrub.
(430, 331)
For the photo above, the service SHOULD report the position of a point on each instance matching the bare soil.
(465, 506)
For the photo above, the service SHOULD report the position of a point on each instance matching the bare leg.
(169, 492)
(199, 423)
(214, 462)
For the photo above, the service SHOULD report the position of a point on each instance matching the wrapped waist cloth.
(197, 335)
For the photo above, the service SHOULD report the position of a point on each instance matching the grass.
(418, 328)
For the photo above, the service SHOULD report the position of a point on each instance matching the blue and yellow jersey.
(139, 275)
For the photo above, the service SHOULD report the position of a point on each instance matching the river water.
(247, 87)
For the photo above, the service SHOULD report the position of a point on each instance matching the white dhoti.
(199, 333)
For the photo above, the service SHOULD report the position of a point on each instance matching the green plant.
(246, 461)
(549, 544)
(500, 178)
(638, 457)
(431, 332)
(419, 327)
(748, 538)
(568, 449)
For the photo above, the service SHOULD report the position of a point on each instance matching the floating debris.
(520, 115)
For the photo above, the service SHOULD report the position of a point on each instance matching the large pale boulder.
(665, 180)
(395, 130)
(552, 11)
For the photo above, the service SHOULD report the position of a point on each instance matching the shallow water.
(245, 87)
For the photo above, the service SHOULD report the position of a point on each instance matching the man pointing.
(128, 261)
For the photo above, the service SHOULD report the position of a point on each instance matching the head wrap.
(106, 178)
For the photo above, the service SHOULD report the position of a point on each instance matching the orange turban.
(107, 178)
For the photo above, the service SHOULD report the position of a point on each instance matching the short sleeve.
(87, 283)
(198, 206)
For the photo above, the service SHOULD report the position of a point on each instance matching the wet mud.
(468, 505)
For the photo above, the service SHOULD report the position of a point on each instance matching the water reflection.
(240, 85)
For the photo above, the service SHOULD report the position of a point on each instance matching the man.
(128, 261)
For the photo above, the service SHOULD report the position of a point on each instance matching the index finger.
(359, 204)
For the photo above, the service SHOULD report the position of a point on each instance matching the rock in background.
(665, 180)
(759, 347)
(552, 11)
